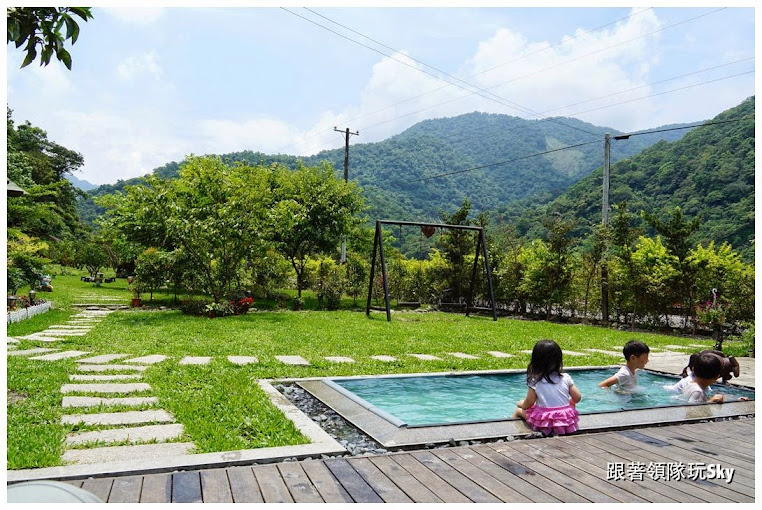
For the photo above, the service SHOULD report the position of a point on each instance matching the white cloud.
(148, 63)
(136, 15)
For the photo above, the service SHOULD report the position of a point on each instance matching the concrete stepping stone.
(383, 357)
(36, 337)
(195, 360)
(499, 354)
(131, 434)
(11, 347)
(603, 351)
(675, 346)
(71, 327)
(103, 358)
(105, 387)
(63, 332)
(426, 357)
(340, 359)
(12, 340)
(106, 368)
(292, 360)
(115, 377)
(120, 453)
(575, 353)
(147, 360)
(123, 418)
(243, 360)
(462, 355)
(27, 352)
(116, 401)
(60, 355)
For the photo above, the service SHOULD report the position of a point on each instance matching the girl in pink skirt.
(549, 406)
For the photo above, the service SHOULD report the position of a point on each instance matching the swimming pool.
(393, 431)
(416, 401)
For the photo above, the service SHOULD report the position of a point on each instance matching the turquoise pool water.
(431, 400)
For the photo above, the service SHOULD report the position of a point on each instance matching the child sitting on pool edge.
(551, 396)
(636, 357)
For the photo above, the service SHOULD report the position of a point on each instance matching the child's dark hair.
(634, 347)
(707, 366)
(547, 360)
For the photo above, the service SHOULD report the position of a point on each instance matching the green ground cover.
(220, 404)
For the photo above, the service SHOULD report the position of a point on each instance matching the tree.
(456, 245)
(212, 215)
(41, 26)
(152, 269)
(311, 210)
(25, 263)
(92, 255)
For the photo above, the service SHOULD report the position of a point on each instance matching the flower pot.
(136, 303)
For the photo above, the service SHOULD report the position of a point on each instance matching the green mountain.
(708, 173)
(402, 176)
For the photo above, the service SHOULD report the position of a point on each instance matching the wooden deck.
(577, 468)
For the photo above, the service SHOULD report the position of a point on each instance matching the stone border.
(321, 444)
(29, 312)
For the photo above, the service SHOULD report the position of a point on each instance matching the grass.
(220, 404)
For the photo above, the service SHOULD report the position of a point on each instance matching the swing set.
(428, 230)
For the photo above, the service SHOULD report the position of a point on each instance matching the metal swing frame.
(378, 246)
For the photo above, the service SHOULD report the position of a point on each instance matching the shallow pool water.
(431, 400)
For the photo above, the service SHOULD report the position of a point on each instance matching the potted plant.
(137, 289)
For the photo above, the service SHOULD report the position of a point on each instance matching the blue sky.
(151, 85)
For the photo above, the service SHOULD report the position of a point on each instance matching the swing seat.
(408, 304)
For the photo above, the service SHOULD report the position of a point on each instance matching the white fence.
(25, 313)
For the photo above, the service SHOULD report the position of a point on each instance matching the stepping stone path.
(195, 360)
(60, 355)
(462, 355)
(426, 357)
(147, 360)
(27, 352)
(340, 359)
(78, 325)
(499, 354)
(155, 426)
(292, 360)
(243, 360)
(384, 358)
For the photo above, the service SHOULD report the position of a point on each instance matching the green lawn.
(220, 404)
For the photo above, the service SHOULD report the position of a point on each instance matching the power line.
(703, 124)
(504, 162)
(560, 43)
(497, 99)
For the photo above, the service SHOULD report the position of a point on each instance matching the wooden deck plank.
(681, 491)
(560, 473)
(271, 484)
(186, 487)
(455, 457)
(100, 487)
(594, 461)
(743, 479)
(358, 489)
(157, 488)
(740, 449)
(243, 485)
(707, 491)
(693, 446)
(744, 484)
(325, 483)
(532, 474)
(461, 482)
(215, 487)
(415, 490)
(126, 489)
(605, 490)
(298, 484)
(380, 483)
(428, 478)
(517, 475)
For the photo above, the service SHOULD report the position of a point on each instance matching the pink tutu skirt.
(553, 420)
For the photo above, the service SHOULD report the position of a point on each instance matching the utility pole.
(605, 216)
(346, 179)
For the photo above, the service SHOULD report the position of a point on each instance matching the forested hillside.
(709, 174)
(397, 174)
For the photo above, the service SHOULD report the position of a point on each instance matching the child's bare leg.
(519, 412)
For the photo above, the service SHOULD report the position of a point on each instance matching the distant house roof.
(14, 190)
